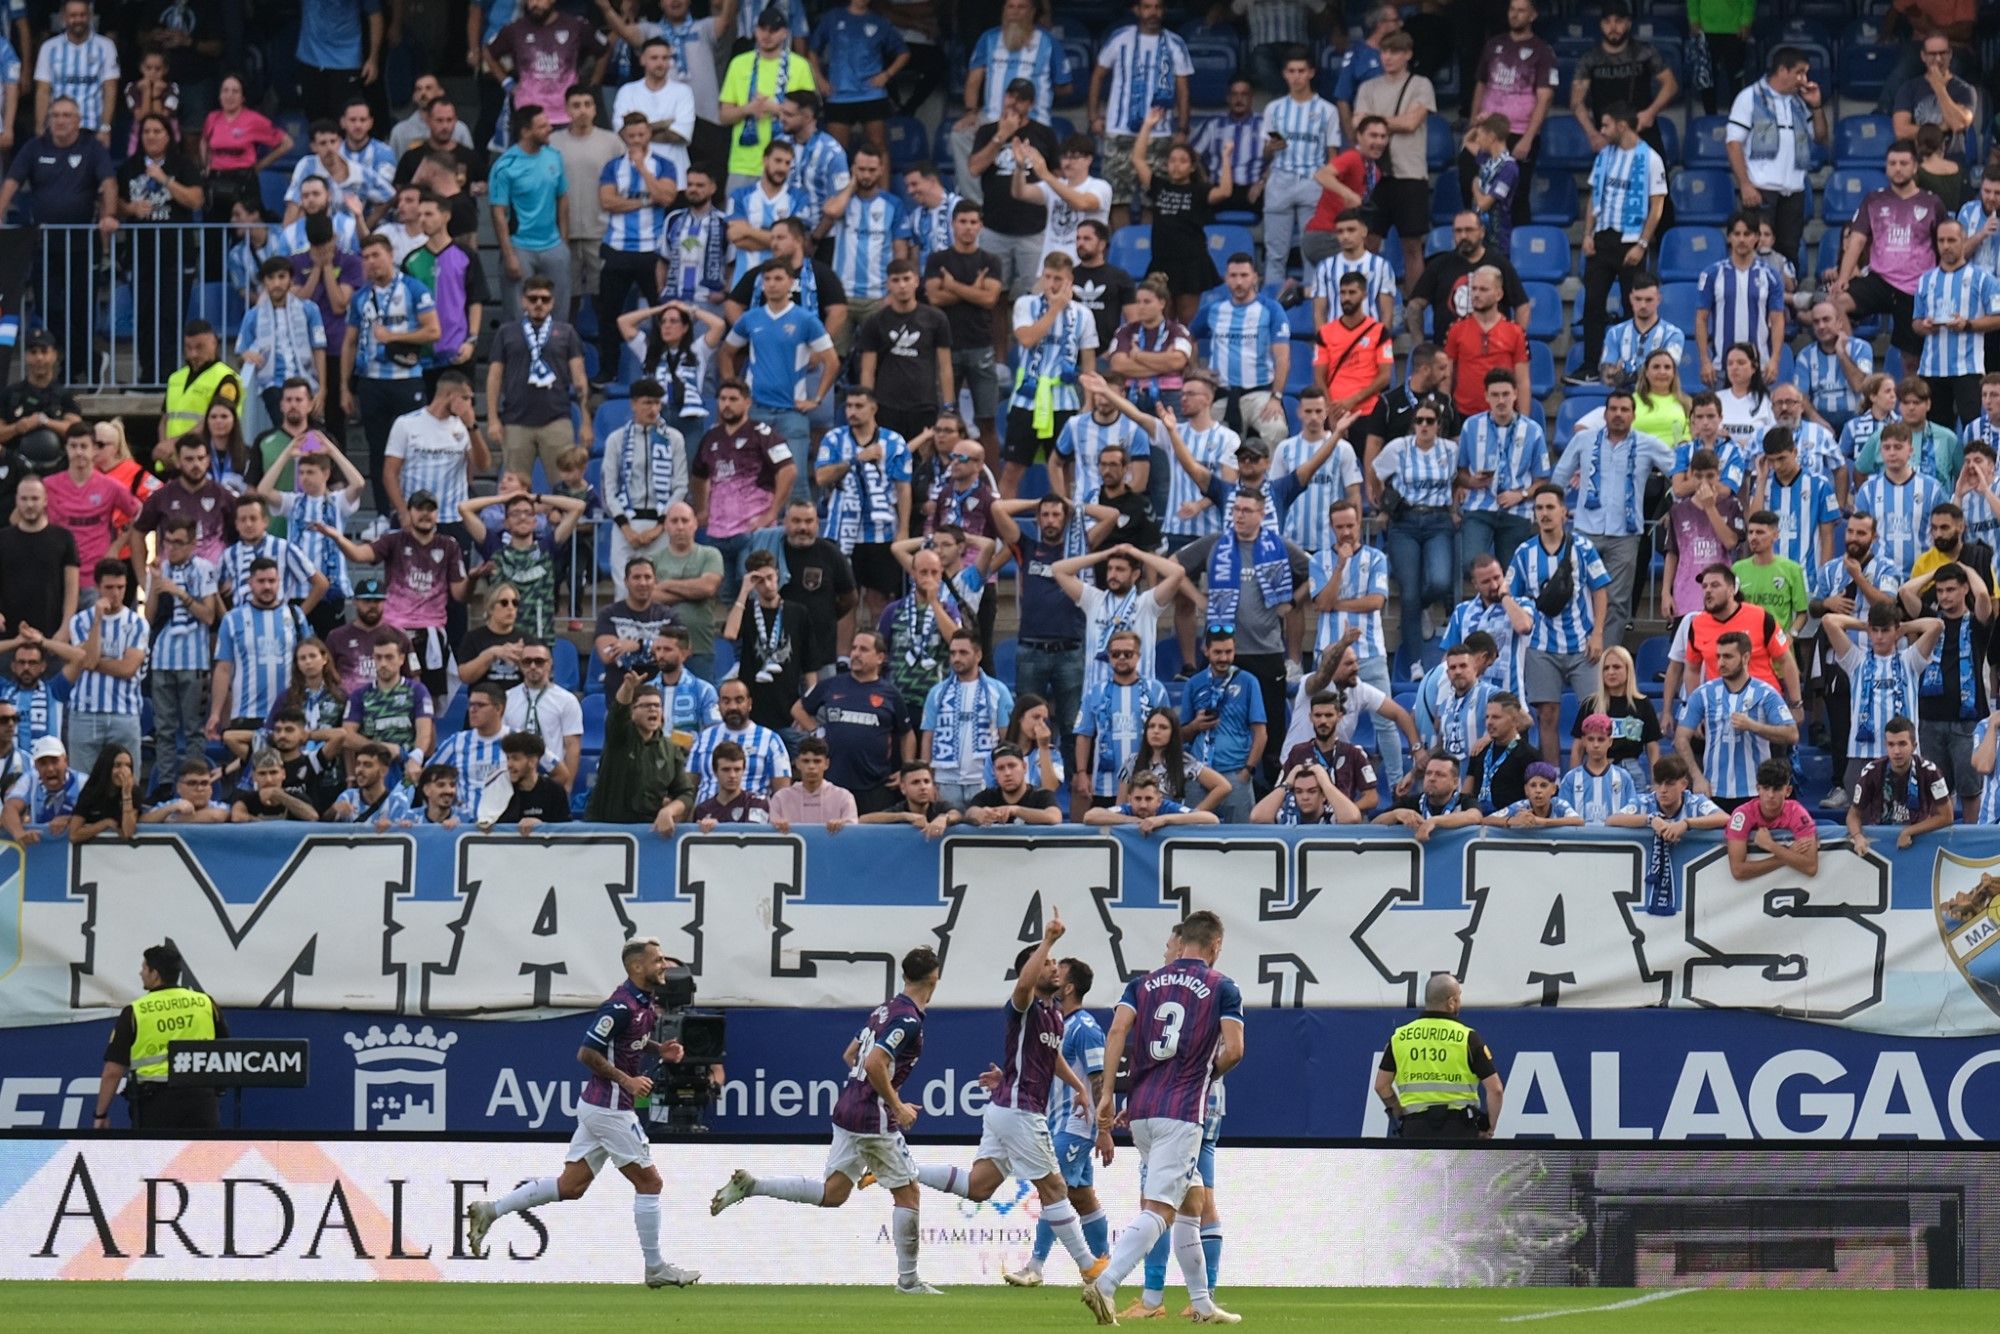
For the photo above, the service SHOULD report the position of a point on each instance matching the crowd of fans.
(807, 394)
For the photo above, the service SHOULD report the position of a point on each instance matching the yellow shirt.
(1663, 418)
(746, 158)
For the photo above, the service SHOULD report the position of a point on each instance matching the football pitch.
(442, 1307)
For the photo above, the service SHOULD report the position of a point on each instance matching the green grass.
(444, 1307)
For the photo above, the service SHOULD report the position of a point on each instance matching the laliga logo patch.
(1966, 894)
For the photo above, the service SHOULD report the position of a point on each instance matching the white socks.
(527, 1195)
(904, 1228)
(1193, 1263)
(1132, 1245)
(798, 1190)
(950, 1180)
(1062, 1220)
(646, 1218)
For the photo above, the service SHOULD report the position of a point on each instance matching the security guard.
(203, 382)
(1433, 1069)
(168, 1012)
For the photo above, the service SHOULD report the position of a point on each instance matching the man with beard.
(1951, 694)
(1436, 804)
(1102, 288)
(1049, 640)
(694, 245)
(861, 717)
(768, 764)
(963, 281)
(42, 565)
(1723, 611)
(1443, 291)
(1621, 72)
(32, 692)
(818, 581)
(424, 571)
(1853, 583)
(350, 644)
(192, 494)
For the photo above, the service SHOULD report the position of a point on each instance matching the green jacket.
(1727, 17)
(636, 777)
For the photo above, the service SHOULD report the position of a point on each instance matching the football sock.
(646, 1218)
(1194, 1266)
(1096, 1232)
(1045, 1242)
(1133, 1243)
(1156, 1269)
(950, 1180)
(542, 1190)
(1211, 1249)
(904, 1227)
(1061, 1218)
(799, 1190)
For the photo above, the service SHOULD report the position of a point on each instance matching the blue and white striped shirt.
(861, 508)
(1730, 460)
(640, 230)
(1517, 455)
(1424, 476)
(1740, 304)
(1306, 519)
(762, 748)
(1627, 347)
(1041, 60)
(748, 203)
(1475, 613)
(258, 641)
(1448, 721)
(1144, 69)
(183, 642)
(1830, 579)
(10, 59)
(931, 227)
(42, 804)
(1972, 216)
(1801, 508)
(1211, 448)
(1240, 339)
(1115, 716)
(1730, 757)
(346, 234)
(1883, 688)
(296, 331)
(41, 708)
(1609, 477)
(1364, 574)
(395, 805)
(1246, 146)
(476, 758)
(695, 245)
(1623, 184)
(376, 162)
(864, 241)
(97, 692)
(1058, 357)
(79, 70)
(396, 308)
(1819, 452)
(1902, 514)
(1597, 797)
(1967, 290)
(1860, 432)
(1818, 373)
(1310, 128)
(1694, 806)
(1083, 438)
(295, 571)
(310, 168)
(692, 704)
(1533, 566)
(819, 172)
(1381, 281)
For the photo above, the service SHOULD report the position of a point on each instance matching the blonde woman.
(1635, 724)
(114, 459)
(1660, 406)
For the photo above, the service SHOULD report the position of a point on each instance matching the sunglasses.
(8, 718)
(1124, 653)
(1424, 421)
(506, 602)
(537, 298)
(960, 458)
(536, 662)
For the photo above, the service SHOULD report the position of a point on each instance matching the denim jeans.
(957, 794)
(1236, 807)
(180, 709)
(1483, 531)
(1057, 676)
(1422, 545)
(90, 733)
(1388, 737)
(792, 424)
(733, 549)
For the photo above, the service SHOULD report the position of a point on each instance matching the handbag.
(1555, 595)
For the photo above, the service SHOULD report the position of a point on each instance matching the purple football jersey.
(1177, 1017)
(621, 1029)
(897, 1028)
(1034, 1039)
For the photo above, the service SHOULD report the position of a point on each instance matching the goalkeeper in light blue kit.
(1071, 1125)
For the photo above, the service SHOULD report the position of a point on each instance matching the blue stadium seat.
(1541, 370)
(594, 708)
(1686, 251)
(1299, 319)
(1650, 662)
(1214, 68)
(1446, 203)
(1131, 249)
(1845, 189)
(272, 182)
(1670, 136)
(1564, 145)
(1552, 199)
(219, 304)
(1704, 144)
(568, 672)
(1545, 319)
(908, 141)
(1540, 254)
(295, 124)
(1063, 127)
(610, 415)
(1865, 59)
(1198, 33)
(1225, 240)
(453, 718)
(1437, 240)
(1677, 305)
(1440, 144)
(1299, 375)
(1828, 256)
(1703, 196)
(1860, 141)
(1078, 50)
(1891, 362)
(1566, 418)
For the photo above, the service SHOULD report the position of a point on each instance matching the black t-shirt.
(905, 344)
(259, 809)
(313, 782)
(1634, 726)
(1939, 689)
(478, 639)
(1444, 287)
(545, 801)
(1105, 290)
(472, 167)
(1003, 212)
(621, 622)
(1031, 799)
(1618, 77)
(971, 326)
(773, 669)
(1510, 773)
(1136, 523)
(1390, 418)
(863, 722)
(135, 186)
(32, 564)
(816, 578)
(826, 284)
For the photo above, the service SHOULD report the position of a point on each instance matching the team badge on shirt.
(1966, 893)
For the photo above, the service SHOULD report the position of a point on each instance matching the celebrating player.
(618, 1044)
(1071, 1123)
(1014, 1139)
(869, 1119)
(1187, 1019)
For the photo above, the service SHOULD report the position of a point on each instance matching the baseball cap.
(39, 338)
(1253, 445)
(773, 18)
(49, 746)
(368, 590)
(1597, 724)
(423, 500)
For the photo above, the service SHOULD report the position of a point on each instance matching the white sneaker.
(1027, 1276)
(1294, 672)
(734, 1191)
(1215, 1315)
(664, 1275)
(375, 529)
(479, 1218)
(1099, 1302)
(1837, 800)
(1429, 626)
(917, 1288)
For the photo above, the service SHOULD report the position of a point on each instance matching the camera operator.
(682, 1090)
(168, 1012)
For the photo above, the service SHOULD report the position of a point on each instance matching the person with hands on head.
(1884, 675)
(1306, 795)
(1148, 808)
(1774, 825)
(1900, 788)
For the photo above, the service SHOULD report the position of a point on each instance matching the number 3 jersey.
(898, 1029)
(1177, 1017)
(621, 1029)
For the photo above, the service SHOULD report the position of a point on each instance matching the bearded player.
(616, 1047)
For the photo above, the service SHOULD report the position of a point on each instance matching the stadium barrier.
(380, 1209)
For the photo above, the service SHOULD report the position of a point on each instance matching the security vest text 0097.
(171, 1014)
(1433, 1064)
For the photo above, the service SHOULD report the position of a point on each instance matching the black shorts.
(858, 113)
(1874, 296)
(1023, 445)
(1404, 205)
(875, 568)
(906, 422)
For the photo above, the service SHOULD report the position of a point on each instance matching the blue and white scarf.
(1271, 567)
(944, 741)
(1932, 684)
(1593, 498)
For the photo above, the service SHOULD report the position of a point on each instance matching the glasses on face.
(538, 299)
(506, 602)
(1425, 421)
(961, 458)
(1124, 653)
(9, 719)
(536, 662)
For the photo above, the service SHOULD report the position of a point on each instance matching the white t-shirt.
(1782, 172)
(1142, 615)
(1744, 416)
(557, 713)
(672, 104)
(1060, 237)
(435, 453)
(1361, 697)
